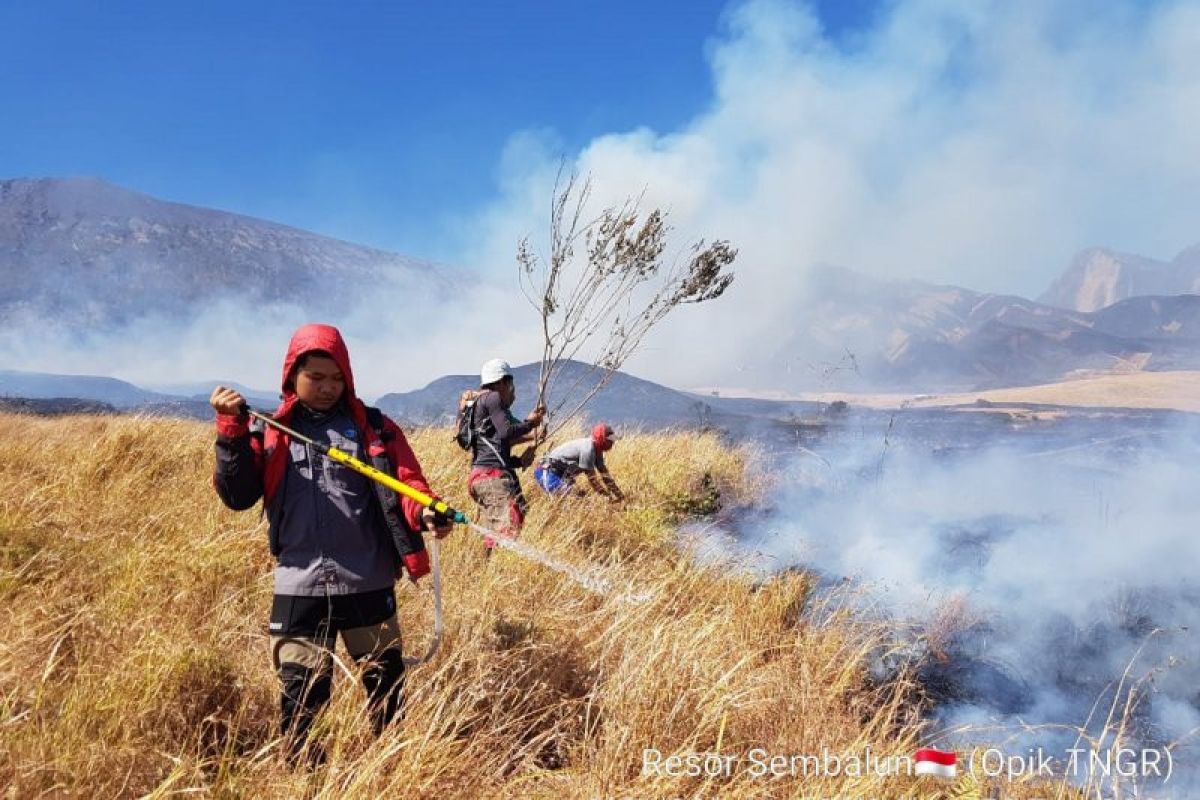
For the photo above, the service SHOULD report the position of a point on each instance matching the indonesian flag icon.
(936, 762)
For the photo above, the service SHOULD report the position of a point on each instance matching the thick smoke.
(1041, 564)
(976, 144)
(401, 336)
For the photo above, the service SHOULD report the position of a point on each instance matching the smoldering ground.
(1046, 568)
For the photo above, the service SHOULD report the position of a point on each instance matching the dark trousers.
(304, 631)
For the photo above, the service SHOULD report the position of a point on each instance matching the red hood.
(404, 464)
(316, 337)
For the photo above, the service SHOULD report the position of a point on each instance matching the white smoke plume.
(979, 144)
(400, 337)
(1041, 564)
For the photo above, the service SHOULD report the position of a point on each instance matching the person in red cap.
(339, 539)
(557, 470)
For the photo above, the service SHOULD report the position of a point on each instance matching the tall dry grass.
(135, 659)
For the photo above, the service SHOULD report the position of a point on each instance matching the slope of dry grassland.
(1178, 390)
(135, 660)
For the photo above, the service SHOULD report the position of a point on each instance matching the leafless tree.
(598, 305)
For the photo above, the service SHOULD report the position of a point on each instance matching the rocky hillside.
(83, 257)
(83, 253)
(1100, 277)
(913, 335)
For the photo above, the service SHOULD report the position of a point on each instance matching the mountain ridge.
(83, 256)
(1099, 277)
(931, 337)
(85, 253)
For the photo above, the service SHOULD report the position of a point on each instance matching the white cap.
(494, 370)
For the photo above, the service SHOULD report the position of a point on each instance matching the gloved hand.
(440, 524)
(417, 565)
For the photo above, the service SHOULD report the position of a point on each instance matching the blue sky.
(980, 144)
(378, 122)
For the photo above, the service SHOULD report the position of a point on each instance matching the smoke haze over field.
(1038, 567)
(979, 144)
(400, 337)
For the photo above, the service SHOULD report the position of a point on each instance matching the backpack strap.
(273, 511)
(404, 539)
(375, 420)
(480, 429)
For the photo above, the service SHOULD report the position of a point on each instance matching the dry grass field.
(135, 660)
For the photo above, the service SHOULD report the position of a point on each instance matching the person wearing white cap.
(493, 483)
(493, 372)
(557, 471)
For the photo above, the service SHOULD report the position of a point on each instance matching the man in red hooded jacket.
(339, 539)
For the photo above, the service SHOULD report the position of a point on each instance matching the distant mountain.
(54, 407)
(1099, 277)
(88, 257)
(201, 390)
(85, 254)
(42, 392)
(43, 386)
(912, 335)
(625, 400)
(1153, 319)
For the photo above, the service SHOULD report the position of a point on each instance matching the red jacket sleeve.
(408, 470)
(238, 477)
(232, 426)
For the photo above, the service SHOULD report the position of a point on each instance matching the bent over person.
(557, 471)
(338, 538)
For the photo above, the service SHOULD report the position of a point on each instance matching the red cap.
(603, 437)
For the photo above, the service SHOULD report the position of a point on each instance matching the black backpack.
(464, 429)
